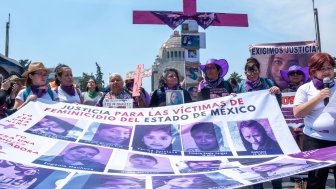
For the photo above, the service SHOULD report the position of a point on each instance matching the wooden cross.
(189, 10)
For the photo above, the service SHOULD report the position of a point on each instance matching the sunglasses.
(295, 73)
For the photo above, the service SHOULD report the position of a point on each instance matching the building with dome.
(173, 55)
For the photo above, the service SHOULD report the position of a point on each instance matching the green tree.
(98, 77)
(236, 76)
(25, 63)
(83, 80)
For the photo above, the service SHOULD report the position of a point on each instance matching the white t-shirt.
(64, 97)
(46, 96)
(317, 125)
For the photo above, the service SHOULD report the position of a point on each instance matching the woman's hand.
(31, 97)
(233, 94)
(324, 93)
(275, 90)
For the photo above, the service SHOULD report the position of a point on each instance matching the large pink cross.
(189, 10)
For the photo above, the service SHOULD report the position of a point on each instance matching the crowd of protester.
(18, 90)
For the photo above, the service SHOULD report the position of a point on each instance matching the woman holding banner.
(254, 82)
(214, 85)
(117, 96)
(36, 86)
(309, 102)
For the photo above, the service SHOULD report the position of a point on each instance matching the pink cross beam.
(190, 12)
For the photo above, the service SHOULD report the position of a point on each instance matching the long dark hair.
(252, 124)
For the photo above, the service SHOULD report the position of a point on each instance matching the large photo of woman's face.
(76, 156)
(271, 66)
(204, 138)
(56, 127)
(254, 137)
(103, 134)
(157, 139)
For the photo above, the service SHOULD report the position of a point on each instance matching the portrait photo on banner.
(15, 175)
(160, 139)
(254, 137)
(136, 163)
(194, 181)
(76, 156)
(174, 97)
(56, 127)
(274, 57)
(102, 134)
(204, 139)
(198, 166)
(96, 181)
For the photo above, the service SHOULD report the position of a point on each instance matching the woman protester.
(92, 94)
(66, 89)
(214, 85)
(295, 76)
(116, 92)
(254, 82)
(309, 102)
(9, 89)
(36, 86)
(139, 101)
(169, 80)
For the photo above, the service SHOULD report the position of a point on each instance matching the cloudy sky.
(82, 32)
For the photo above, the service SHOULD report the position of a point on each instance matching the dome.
(174, 41)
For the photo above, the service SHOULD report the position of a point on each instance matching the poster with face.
(274, 57)
(160, 139)
(115, 136)
(56, 127)
(139, 163)
(254, 137)
(76, 156)
(174, 97)
(203, 139)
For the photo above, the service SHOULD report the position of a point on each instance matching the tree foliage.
(25, 63)
(236, 76)
(98, 77)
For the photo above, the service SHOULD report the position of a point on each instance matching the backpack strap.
(26, 94)
(51, 94)
(28, 90)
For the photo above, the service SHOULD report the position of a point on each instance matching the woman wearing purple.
(309, 102)
(36, 86)
(170, 80)
(214, 85)
(254, 82)
(295, 76)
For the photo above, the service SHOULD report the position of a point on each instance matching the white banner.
(97, 147)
